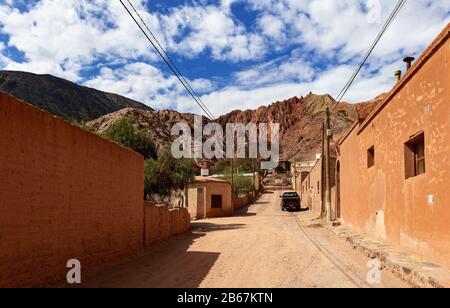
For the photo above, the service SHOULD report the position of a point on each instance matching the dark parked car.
(290, 201)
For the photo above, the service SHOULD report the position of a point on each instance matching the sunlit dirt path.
(260, 246)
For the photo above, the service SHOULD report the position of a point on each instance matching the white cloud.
(343, 28)
(272, 27)
(329, 37)
(280, 70)
(146, 83)
(366, 88)
(62, 36)
(210, 28)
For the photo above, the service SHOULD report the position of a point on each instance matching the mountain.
(158, 123)
(63, 98)
(300, 121)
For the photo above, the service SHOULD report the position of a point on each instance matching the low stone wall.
(161, 223)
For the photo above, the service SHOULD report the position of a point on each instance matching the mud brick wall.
(242, 201)
(161, 223)
(382, 201)
(64, 194)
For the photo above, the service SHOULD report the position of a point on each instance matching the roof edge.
(429, 51)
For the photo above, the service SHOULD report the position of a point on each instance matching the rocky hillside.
(158, 123)
(300, 118)
(63, 98)
(300, 121)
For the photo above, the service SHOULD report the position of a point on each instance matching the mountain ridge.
(63, 98)
(300, 118)
(300, 121)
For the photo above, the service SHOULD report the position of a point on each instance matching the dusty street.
(260, 246)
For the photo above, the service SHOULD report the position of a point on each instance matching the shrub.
(166, 174)
(124, 133)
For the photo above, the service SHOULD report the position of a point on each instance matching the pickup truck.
(290, 201)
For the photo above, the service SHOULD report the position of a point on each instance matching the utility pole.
(232, 184)
(322, 179)
(328, 135)
(232, 173)
(294, 170)
(254, 176)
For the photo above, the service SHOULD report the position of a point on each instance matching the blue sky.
(237, 54)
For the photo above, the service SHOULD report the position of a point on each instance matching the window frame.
(213, 204)
(417, 158)
(371, 157)
(413, 146)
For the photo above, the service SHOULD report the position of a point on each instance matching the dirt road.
(260, 246)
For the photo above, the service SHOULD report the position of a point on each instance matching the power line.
(168, 61)
(383, 30)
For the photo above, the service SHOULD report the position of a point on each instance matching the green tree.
(124, 133)
(243, 185)
(166, 173)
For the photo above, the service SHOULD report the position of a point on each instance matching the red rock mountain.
(158, 123)
(300, 121)
(300, 118)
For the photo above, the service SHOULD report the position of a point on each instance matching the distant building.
(312, 188)
(283, 167)
(300, 171)
(209, 197)
(393, 173)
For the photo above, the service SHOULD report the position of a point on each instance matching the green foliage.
(242, 185)
(166, 174)
(242, 165)
(221, 167)
(124, 133)
(84, 126)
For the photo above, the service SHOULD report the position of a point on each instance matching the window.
(318, 187)
(216, 201)
(371, 157)
(419, 154)
(415, 156)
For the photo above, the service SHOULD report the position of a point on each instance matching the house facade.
(312, 188)
(393, 173)
(209, 197)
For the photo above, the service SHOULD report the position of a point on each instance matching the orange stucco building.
(393, 173)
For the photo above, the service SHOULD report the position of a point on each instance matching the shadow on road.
(299, 211)
(261, 202)
(167, 264)
(211, 227)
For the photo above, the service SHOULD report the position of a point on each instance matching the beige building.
(300, 171)
(312, 188)
(209, 197)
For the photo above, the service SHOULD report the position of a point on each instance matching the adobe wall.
(223, 189)
(243, 201)
(411, 213)
(311, 192)
(64, 194)
(197, 207)
(161, 223)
